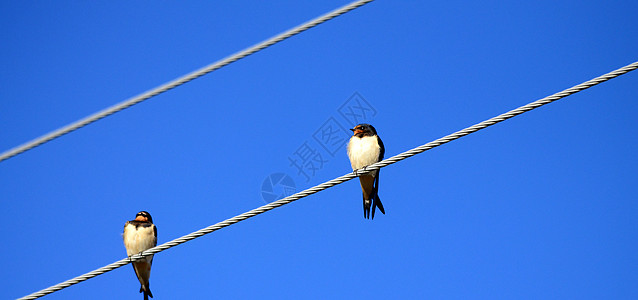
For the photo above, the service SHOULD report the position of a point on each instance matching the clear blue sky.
(541, 206)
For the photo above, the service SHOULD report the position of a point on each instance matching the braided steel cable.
(339, 180)
(179, 81)
(503, 117)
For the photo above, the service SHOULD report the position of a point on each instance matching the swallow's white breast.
(363, 151)
(139, 239)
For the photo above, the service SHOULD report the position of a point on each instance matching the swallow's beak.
(357, 131)
(352, 129)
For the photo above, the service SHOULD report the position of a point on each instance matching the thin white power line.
(339, 180)
(179, 81)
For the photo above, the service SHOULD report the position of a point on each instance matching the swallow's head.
(143, 216)
(362, 130)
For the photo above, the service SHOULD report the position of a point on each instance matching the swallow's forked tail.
(366, 209)
(376, 202)
(147, 291)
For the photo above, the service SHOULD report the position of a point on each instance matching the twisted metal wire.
(505, 116)
(179, 81)
(338, 180)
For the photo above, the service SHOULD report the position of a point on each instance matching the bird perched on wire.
(366, 148)
(139, 235)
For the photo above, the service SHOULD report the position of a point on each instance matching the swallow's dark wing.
(155, 234)
(376, 202)
(382, 152)
(154, 243)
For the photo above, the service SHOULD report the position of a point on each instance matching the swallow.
(139, 235)
(366, 148)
